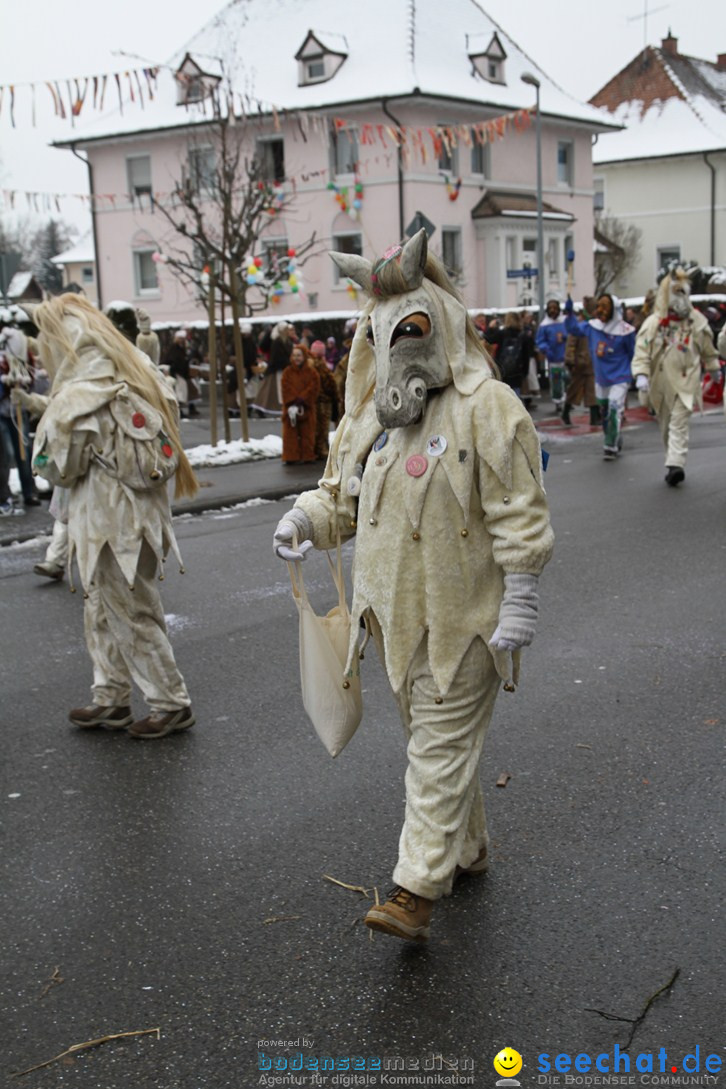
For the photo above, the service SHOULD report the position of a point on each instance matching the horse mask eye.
(416, 325)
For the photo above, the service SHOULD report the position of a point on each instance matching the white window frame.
(339, 242)
(207, 182)
(448, 161)
(598, 195)
(482, 151)
(667, 247)
(266, 157)
(139, 189)
(139, 289)
(87, 274)
(569, 148)
(277, 245)
(511, 252)
(342, 139)
(451, 237)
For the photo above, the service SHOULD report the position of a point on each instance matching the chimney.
(670, 44)
(721, 62)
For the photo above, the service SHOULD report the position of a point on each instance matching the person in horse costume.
(437, 470)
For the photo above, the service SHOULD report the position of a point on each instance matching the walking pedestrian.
(672, 347)
(327, 403)
(551, 341)
(300, 389)
(514, 346)
(436, 469)
(15, 373)
(581, 387)
(110, 438)
(611, 342)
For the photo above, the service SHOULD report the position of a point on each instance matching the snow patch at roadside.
(231, 453)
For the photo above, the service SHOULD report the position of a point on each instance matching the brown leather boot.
(111, 718)
(403, 915)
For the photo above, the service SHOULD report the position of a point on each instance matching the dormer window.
(319, 57)
(193, 83)
(488, 63)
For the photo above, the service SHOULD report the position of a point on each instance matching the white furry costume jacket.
(432, 549)
(670, 353)
(101, 509)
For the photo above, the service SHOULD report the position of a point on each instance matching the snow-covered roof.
(81, 253)
(394, 48)
(693, 120)
(19, 284)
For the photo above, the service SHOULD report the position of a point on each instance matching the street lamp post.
(534, 82)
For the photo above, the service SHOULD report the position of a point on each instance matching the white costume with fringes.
(117, 534)
(438, 524)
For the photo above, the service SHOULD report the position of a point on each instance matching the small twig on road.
(343, 885)
(84, 1046)
(54, 980)
(280, 919)
(636, 1022)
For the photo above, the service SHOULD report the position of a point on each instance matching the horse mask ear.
(354, 267)
(413, 259)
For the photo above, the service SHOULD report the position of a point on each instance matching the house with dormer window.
(370, 133)
(665, 168)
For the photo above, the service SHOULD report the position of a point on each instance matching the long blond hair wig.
(59, 348)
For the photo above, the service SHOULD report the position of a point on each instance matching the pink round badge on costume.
(138, 419)
(417, 465)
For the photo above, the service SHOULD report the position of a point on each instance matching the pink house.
(414, 110)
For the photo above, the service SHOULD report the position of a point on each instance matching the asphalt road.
(181, 884)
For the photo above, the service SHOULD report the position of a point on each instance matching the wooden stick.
(84, 1046)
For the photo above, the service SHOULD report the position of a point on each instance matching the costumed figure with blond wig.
(109, 439)
(436, 470)
(673, 344)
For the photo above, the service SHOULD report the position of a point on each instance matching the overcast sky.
(578, 43)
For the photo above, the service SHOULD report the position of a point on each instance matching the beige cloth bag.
(331, 698)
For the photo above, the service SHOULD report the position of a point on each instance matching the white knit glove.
(517, 613)
(642, 384)
(295, 521)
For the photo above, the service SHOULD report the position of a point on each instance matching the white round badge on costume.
(436, 446)
(353, 486)
(380, 441)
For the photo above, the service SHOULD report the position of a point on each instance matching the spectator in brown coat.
(581, 387)
(327, 399)
(300, 390)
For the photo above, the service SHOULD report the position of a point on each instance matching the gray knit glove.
(517, 613)
(295, 521)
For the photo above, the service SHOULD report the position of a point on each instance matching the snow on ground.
(230, 453)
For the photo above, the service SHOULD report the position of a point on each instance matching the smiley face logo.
(508, 1062)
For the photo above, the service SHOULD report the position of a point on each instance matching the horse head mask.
(416, 329)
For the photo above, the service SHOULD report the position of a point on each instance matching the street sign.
(419, 221)
(521, 273)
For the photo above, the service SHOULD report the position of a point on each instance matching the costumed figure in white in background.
(110, 438)
(436, 468)
(147, 340)
(673, 344)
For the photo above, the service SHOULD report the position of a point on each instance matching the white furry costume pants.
(674, 427)
(57, 550)
(126, 637)
(445, 825)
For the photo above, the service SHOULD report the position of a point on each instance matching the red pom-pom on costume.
(167, 450)
(138, 419)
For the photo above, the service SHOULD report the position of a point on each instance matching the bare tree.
(226, 197)
(617, 252)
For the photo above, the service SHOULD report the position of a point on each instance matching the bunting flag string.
(69, 104)
(90, 92)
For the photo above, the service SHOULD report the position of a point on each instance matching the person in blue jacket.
(612, 345)
(551, 341)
